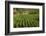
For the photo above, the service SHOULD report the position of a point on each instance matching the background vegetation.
(24, 17)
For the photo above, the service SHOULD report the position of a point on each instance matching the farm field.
(23, 17)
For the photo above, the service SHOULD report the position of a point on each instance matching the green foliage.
(27, 20)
